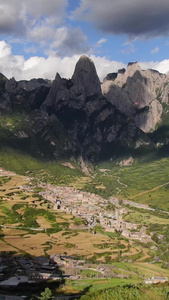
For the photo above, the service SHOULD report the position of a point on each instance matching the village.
(94, 210)
(18, 270)
(15, 270)
(33, 269)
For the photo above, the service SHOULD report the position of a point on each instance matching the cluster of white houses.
(93, 209)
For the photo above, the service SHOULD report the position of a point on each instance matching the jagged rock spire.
(85, 77)
(84, 83)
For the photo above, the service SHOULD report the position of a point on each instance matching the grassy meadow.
(30, 226)
(143, 182)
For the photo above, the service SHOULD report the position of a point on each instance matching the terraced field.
(29, 225)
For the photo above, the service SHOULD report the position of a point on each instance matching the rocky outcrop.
(90, 119)
(33, 84)
(27, 93)
(138, 94)
(5, 103)
(85, 79)
(29, 128)
(75, 118)
(83, 84)
(126, 162)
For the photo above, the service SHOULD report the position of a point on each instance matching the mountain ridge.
(139, 94)
(79, 116)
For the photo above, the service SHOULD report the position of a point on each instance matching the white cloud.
(41, 33)
(102, 41)
(11, 16)
(160, 66)
(16, 66)
(40, 67)
(105, 66)
(5, 49)
(42, 22)
(155, 50)
(70, 41)
(18, 15)
(59, 37)
(10, 65)
(34, 67)
(48, 67)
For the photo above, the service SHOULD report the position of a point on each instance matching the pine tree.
(46, 295)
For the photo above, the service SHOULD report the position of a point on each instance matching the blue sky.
(39, 38)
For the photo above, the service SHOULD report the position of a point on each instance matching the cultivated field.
(29, 225)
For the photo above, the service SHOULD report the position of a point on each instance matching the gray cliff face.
(85, 78)
(89, 118)
(5, 102)
(31, 85)
(25, 93)
(52, 96)
(84, 83)
(75, 118)
(139, 95)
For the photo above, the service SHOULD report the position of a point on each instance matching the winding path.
(121, 183)
(148, 191)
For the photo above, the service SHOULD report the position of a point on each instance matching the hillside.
(127, 114)
(65, 118)
(93, 125)
(91, 180)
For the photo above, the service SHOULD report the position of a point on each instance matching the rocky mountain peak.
(11, 85)
(57, 77)
(73, 117)
(84, 64)
(132, 68)
(84, 84)
(85, 77)
(30, 85)
(139, 95)
(123, 75)
(2, 77)
(3, 80)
